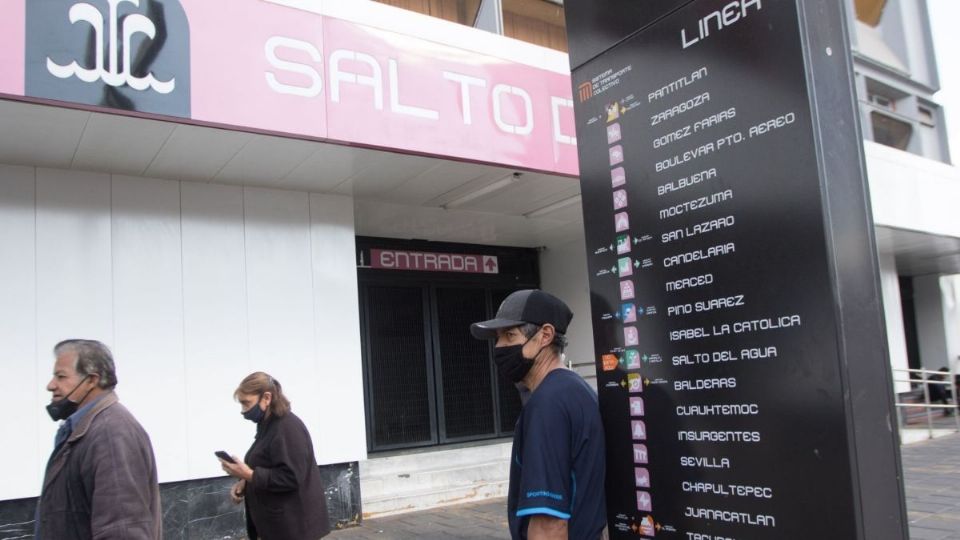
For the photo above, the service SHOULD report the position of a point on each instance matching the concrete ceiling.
(920, 254)
(396, 195)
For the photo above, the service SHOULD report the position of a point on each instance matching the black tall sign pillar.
(740, 348)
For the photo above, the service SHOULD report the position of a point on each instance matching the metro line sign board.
(751, 397)
(388, 259)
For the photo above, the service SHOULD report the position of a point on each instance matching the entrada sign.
(388, 259)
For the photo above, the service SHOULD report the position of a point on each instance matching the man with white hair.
(101, 480)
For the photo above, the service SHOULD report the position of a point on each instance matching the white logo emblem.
(639, 453)
(133, 24)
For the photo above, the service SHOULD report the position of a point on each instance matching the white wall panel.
(193, 286)
(893, 316)
(74, 270)
(74, 267)
(931, 332)
(563, 272)
(215, 323)
(338, 428)
(951, 314)
(18, 334)
(279, 299)
(912, 192)
(148, 314)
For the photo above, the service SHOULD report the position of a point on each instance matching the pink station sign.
(389, 259)
(264, 66)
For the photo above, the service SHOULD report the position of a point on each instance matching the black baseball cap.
(522, 307)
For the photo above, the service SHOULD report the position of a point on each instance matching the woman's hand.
(237, 491)
(237, 469)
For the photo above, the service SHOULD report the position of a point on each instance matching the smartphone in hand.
(224, 456)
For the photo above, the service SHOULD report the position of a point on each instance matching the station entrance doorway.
(427, 381)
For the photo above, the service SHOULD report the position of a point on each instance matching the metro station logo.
(122, 54)
(133, 24)
(585, 91)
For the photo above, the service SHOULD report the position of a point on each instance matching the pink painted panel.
(263, 66)
(399, 91)
(12, 43)
(229, 65)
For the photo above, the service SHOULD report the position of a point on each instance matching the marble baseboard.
(342, 484)
(16, 518)
(201, 509)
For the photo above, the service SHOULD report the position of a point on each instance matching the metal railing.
(922, 378)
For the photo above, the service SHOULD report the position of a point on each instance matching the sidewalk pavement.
(932, 473)
(931, 468)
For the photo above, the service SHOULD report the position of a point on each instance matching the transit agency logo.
(133, 24)
(585, 91)
(602, 82)
(122, 54)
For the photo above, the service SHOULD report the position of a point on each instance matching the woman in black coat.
(278, 478)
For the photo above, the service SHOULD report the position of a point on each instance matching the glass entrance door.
(398, 368)
(428, 380)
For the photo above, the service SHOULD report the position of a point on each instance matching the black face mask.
(511, 363)
(62, 409)
(255, 413)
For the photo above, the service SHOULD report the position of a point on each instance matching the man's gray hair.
(93, 357)
(559, 340)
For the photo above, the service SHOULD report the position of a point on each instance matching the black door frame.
(434, 372)
(368, 394)
(519, 270)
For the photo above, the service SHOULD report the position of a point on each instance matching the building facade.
(912, 182)
(330, 191)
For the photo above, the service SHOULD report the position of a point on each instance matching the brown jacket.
(285, 500)
(102, 482)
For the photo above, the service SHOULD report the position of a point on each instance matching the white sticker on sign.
(490, 264)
